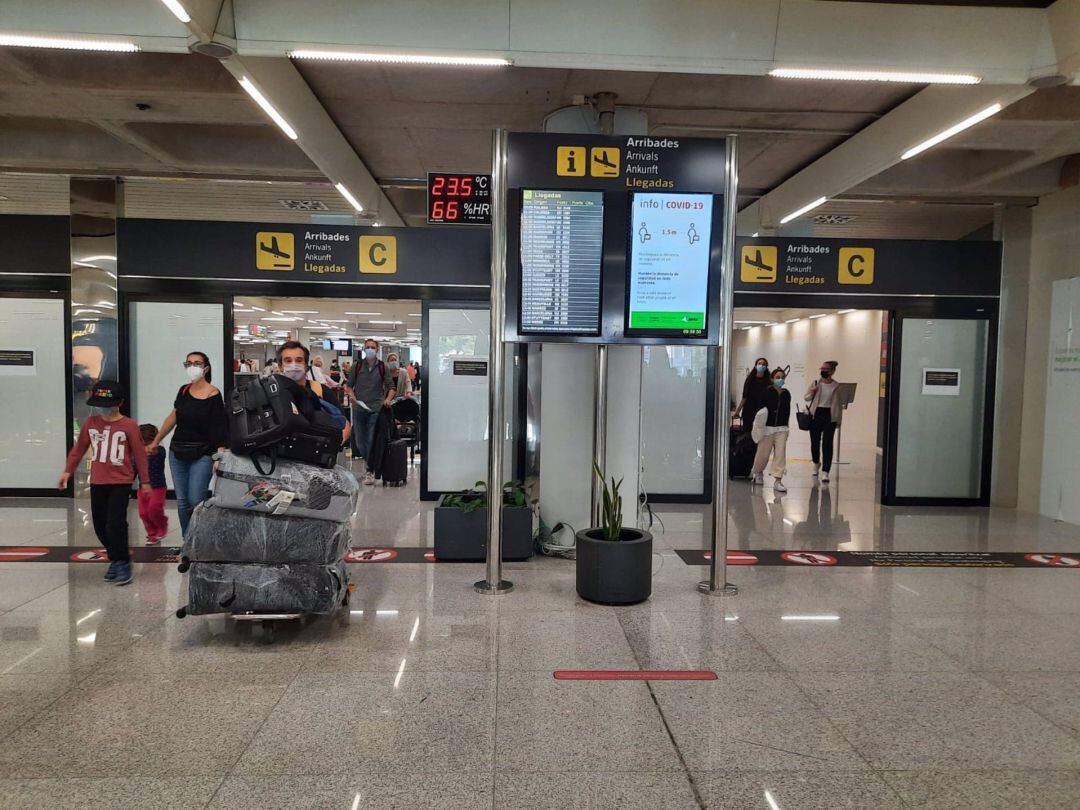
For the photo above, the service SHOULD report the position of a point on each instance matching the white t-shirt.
(826, 391)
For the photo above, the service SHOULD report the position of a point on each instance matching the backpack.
(260, 414)
(329, 408)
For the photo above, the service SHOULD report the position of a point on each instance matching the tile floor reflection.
(837, 688)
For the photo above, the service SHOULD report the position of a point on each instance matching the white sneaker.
(369, 479)
(824, 476)
(817, 469)
(778, 486)
(758, 479)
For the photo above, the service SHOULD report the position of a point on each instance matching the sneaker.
(110, 574)
(123, 573)
(778, 486)
(824, 476)
(152, 541)
(817, 469)
(369, 479)
(758, 479)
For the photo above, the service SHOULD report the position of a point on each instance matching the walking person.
(772, 423)
(402, 382)
(152, 502)
(826, 412)
(755, 386)
(115, 444)
(202, 429)
(370, 388)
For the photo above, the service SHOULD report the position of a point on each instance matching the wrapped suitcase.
(240, 588)
(294, 489)
(217, 534)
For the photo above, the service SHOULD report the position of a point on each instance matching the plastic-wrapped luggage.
(228, 535)
(237, 588)
(293, 489)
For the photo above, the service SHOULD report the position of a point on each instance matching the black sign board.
(470, 368)
(35, 245)
(17, 357)
(867, 267)
(458, 199)
(304, 253)
(616, 168)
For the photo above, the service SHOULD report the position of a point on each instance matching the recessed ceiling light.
(402, 58)
(177, 9)
(267, 107)
(906, 77)
(982, 115)
(395, 323)
(804, 209)
(68, 43)
(344, 192)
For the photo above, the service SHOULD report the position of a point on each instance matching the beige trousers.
(776, 443)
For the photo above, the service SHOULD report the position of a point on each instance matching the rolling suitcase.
(294, 489)
(742, 450)
(241, 588)
(395, 469)
(227, 535)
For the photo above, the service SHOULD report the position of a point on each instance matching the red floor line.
(634, 675)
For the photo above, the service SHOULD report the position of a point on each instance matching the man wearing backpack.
(294, 357)
(370, 388)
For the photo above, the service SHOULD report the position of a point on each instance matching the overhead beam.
(874, 149)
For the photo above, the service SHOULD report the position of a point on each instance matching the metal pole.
(600, 433)
(494, 583)
(717, 582)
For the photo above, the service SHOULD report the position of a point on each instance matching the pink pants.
(152, 512)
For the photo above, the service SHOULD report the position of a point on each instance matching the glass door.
(940, 410)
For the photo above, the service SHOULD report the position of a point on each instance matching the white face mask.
(369, 353)
(195, 372)
(294, 371)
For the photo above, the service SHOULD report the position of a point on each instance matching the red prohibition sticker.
(808, 558)
(19, 553)
(90, 555)
(429, 556)
(736, 558)
(370, 555)
(1054, 560)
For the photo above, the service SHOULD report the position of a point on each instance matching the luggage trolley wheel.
(183, 565)
(267, 621)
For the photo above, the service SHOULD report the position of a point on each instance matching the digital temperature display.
(458, 199)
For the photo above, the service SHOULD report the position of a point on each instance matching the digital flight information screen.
(668, 284)
(562, 235)
(459, 199)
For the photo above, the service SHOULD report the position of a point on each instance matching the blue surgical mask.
(369, 353)
(392, 365)
(761, 369)
(778, 382)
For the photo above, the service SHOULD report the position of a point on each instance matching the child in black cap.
(114, 442)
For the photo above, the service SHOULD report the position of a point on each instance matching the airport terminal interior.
(762, 314)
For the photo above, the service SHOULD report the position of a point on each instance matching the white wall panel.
(1060, 494)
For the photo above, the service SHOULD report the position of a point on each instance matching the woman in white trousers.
(771, 432)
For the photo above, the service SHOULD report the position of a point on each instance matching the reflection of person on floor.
(826, 412)
(771, 431)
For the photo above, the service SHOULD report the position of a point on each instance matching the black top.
(777, 401)
(201, 420)
(753, 390)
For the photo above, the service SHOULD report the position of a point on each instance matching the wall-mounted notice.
(470, 368)
(668, 288)
(17, 363)
(562, 235)
(941, 382)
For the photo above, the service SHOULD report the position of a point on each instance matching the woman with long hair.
(754, 387)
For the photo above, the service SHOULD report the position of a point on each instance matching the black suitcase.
(395, 470)
(742, 452)
(241, 588)
(316, 442)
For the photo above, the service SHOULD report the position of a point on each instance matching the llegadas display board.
(162, 248)
(36, 245)
(614, 239)
(848, 267)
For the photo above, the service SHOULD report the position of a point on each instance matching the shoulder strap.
(316, 386)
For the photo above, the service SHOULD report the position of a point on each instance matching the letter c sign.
(378, 254)
(856, 266)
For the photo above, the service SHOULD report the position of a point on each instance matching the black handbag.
(803, 418)
(190, 451)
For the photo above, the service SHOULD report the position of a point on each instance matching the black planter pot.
(614, 573)
(461, 535)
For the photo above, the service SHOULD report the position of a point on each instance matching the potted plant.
(614, 563)
(461, 524)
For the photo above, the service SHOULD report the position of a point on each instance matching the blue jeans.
(364, 429)
(191, 480)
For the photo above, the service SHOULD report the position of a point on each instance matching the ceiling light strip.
(982, 115)
(344, 192)
(178, 10)
(804, 209)
(267, 107)
(402, 58)
(68, 43)
(848, 75)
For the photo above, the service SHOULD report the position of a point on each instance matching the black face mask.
(826, 374)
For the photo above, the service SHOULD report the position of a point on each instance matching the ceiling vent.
(304, 205)
(1051, 80)
(834, 219)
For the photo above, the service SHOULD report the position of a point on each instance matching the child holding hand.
(152, 503)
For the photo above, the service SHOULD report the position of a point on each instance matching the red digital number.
(466, 186)
(438, 209)
(452, 187)
(453, 209)
(437, 186)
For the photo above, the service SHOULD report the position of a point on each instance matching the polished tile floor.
(929, 688)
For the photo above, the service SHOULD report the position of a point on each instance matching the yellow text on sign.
(274, 250)
(758, 265)
(856, 266)
(378, 254)
(604, 161)
(570, 161)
